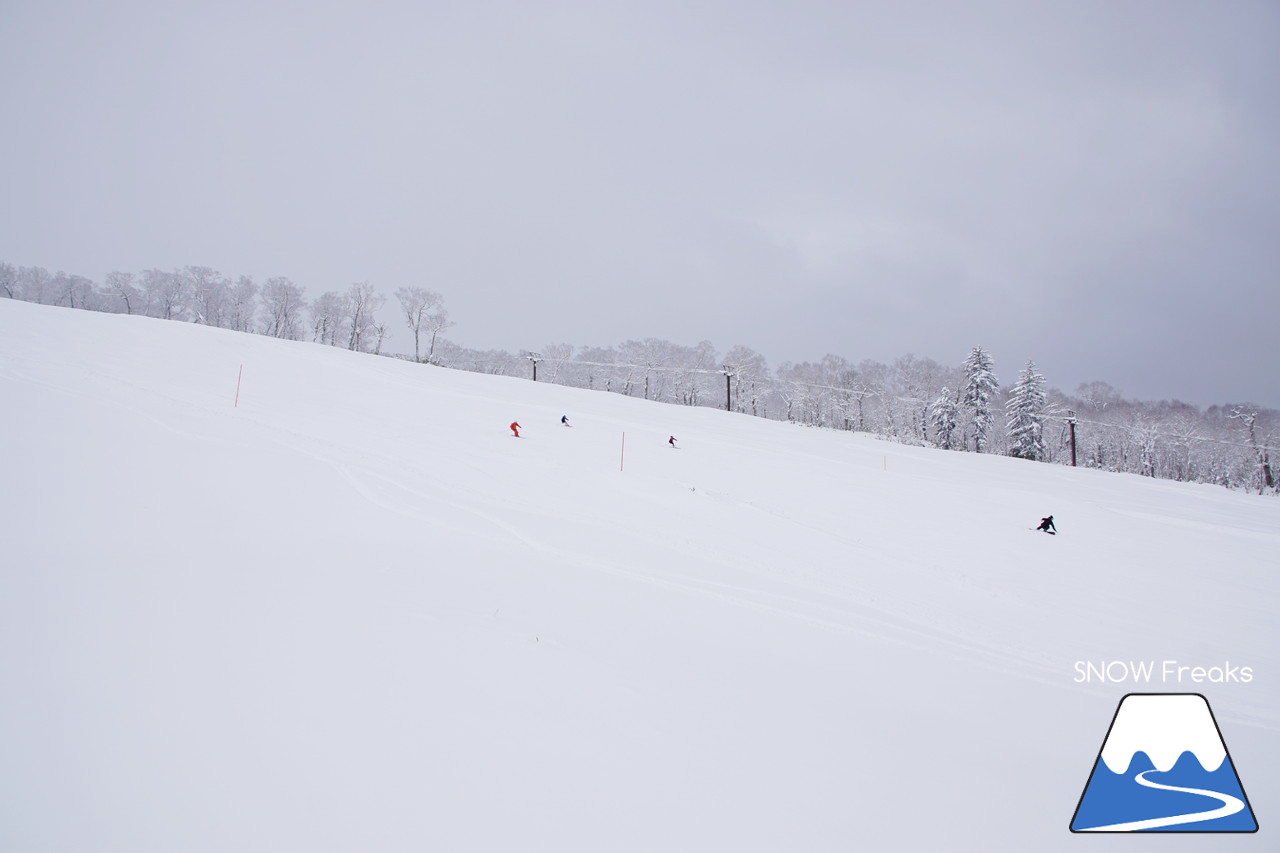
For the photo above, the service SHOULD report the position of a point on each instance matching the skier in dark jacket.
(672, 441)
(1046, 524)
(564, 419)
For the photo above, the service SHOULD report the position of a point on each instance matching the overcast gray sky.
(1093, 185)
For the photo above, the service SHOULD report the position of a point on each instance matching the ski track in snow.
(805, 603)
(867, 621)
(371, 495)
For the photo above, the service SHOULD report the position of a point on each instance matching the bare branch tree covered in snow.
(363, 300)
(208, 295)
(282, 304)
(8, 281)
(242, 304)
(424, 312)
(1248, 417)
(749, 373)
(328, 317)
(557, 363)
(121, 289)
(166, 293)
(598, 363)
(74, 291)
(34, 285)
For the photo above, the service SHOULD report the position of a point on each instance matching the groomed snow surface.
(353, 613)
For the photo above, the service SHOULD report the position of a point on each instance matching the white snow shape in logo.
(1163, 726)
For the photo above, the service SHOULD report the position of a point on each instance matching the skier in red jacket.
(515, 428)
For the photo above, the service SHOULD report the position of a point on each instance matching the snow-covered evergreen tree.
(979, 385)
(944, 414)
(1026, 415)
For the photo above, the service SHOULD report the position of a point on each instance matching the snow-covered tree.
(208, 295)
(328, 316)
(424, 312)
(598, 363)
(846, 390)
(558, 367)
(695, 373)
(34, 284)
(436, 322)
(1184, 434)
(8, 281)
(283, 304)
(913, 384)
(1025, 410)
(363, 301)
(166, 294)
(749, 372)
(1098, 396)
(647, 360)
(74, 291)
(1144, 436)
(242, 304)
(1248, 417)
(121, 290)
(806, 393)
(944, 414)
(980, 384)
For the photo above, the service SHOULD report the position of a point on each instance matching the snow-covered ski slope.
(354, 613)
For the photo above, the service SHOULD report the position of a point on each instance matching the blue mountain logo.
(1164, 767)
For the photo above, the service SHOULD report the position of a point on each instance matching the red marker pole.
(239, 376)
